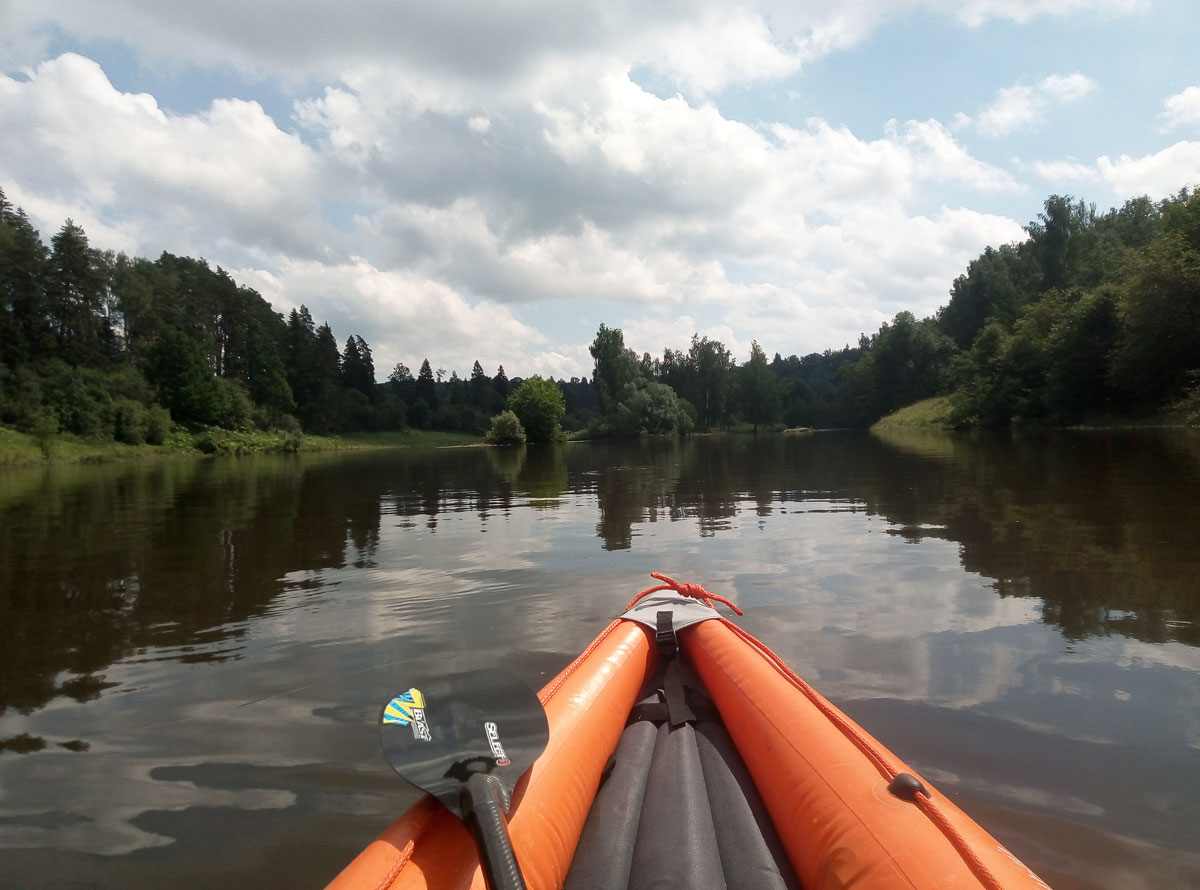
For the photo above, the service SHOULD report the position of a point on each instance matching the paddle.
(466, 739)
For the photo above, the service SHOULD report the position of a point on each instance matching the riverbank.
(927, 414)
(937, 414)
(22, 449)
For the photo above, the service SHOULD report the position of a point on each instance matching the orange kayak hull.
(823, 779)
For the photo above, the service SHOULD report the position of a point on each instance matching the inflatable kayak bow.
(683, 752)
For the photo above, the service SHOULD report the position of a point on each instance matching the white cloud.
(1067, 87)
(1159, 174)
(403, 315)
(1015, 108)
(976, 12)
(601, 192)
(1068, 171)
(1182, 109)
(1023, 107)
(490, 158)
(941, 159)
(76, 142)
(699, 46)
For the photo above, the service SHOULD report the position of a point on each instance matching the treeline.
(1092, 315)
(107, 346)
(704, 388)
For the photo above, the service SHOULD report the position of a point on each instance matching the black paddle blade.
(439, 732)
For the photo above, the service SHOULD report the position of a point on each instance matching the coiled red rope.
(695, 591)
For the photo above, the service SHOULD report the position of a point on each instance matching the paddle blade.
(439, 732)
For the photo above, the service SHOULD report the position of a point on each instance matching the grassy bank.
(935, 414)
(17, 449)
(928, 414)
(394, 439)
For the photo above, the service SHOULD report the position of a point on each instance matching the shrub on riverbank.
(506, 430)
(539, 406)
(217, 441)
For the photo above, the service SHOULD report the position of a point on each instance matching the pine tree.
(74, 289)
(425, 386)
(267, 378)
(351, 364)
(499, 390)
(481, 388)
(22, 289)
(367, 370)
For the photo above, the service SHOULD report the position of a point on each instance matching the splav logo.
(408, 709)
(493, 737)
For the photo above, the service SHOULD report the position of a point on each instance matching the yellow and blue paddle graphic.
(408, 709)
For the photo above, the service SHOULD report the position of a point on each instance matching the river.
(193, 653)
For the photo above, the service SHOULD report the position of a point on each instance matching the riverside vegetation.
(1093, 317)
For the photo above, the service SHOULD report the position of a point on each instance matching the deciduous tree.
(539, 405)
(760, 389)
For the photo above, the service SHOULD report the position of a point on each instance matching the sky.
(492, 179)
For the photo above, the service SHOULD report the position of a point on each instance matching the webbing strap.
(664, 636)
(678, 712)
(656, 711)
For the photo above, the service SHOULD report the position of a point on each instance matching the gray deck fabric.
(678, 810)
(686, 611)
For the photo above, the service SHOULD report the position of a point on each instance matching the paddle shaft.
(484, 802)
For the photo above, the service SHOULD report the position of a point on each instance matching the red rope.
(695, 591)
(394, 872)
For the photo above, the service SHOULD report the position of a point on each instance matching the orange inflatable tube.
(825, 782)
(586, 706)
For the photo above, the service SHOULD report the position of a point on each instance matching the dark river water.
(193, 653)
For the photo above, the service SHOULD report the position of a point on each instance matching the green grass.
(18, 449)
(21, 448)
(392, 439)
(927, 414)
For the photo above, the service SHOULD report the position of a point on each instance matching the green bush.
(20, 397)
(506, 430)
(647, 407)
(79, 398)
(237, 409)
(129, 421)
(44, 428)
(157, 424)
(539, 405)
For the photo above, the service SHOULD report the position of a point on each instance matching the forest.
(1094, 316)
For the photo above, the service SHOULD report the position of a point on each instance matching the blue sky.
(491, 180)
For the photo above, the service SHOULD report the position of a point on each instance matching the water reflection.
(98, 563)
(1098, 526)
(101, 563)
(1018, 615)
